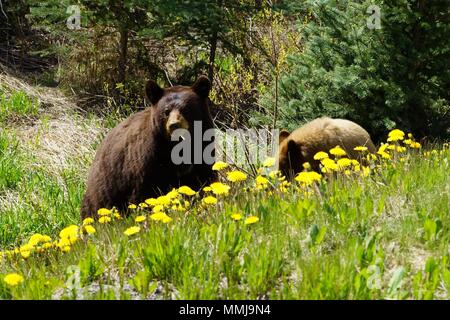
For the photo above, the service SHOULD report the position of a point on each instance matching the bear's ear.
(202, 86)
(283, 135)
(153, 92)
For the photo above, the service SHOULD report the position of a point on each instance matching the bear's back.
(325, 133)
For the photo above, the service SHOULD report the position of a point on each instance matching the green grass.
(380, 237)
(18, 105)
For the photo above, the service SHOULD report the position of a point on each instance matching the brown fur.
(134, 163)
(320, 134)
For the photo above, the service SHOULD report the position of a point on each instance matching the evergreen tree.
(396, 75)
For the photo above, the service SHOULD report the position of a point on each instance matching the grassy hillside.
(375, 232)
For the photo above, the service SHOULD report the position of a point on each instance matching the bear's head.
(290, 158)
(180, 106)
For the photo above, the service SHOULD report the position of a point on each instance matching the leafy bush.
(397, 75)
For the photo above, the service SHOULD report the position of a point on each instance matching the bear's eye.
(167, 111)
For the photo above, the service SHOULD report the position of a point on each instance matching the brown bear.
(134, 161)
(320, 134)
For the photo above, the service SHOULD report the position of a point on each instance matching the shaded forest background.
(272, 63)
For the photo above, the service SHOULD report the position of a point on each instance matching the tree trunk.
(212, 55)
(123, 54)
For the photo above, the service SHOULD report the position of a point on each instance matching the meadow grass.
(384, 236)
(380, 236)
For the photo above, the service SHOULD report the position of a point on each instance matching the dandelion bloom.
(88, 221)
(161, 216)
(104, 219)
(172, 194)
(384, 154)
(71, 233)
(164, 200)
(104, 212)
(219, 188)
(210, 200)
(25, 250)
(186, 191)
(251, 220)
(308, 177)
(151, 202)
(320, 155)
(396, 135)
(89, 229)
(260, 180)
(236, 176)
(143, 205)
(219, 165)
(269, 162)
(360, 148)
(344, 162)
(158, 208)
(140, 219)
(236, 216)
(132, 206)
(207, 189)
(329, 164)
(13, 279)
(338, 151)
(132, 230)
(306, 165)
(38, 238)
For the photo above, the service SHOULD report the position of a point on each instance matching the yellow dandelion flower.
(207, 189)
(25, 250)
(366, 171)
(13, 279)
(132, 230)
(236, 216)
(329, 164)
(161, 216)
(104, 212)
(186, 191)
(251, 220)
(143, 205)
(416, 145)
(104, 219)
(151, 202)
(338, 151)
(172, 194)
(219, 188)
(139, 219)
(164, 200)
(236, 176)
(209, 200)
(274, 174)
(158, 208)
(308, 177)
(89, 229)
(344, 162)
(269, 162)
(306, 166)
(132, 206)
(396, 135)
(384, 155)
(260, 180)
(71, 233)
(219, 165)
(320, 155)
(88, 221)
(37, 239)
(360, 148)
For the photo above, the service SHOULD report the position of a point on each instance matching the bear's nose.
(174, 126)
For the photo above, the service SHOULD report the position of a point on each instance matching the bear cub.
(321, 134)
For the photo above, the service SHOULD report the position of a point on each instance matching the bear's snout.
(176, 121)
